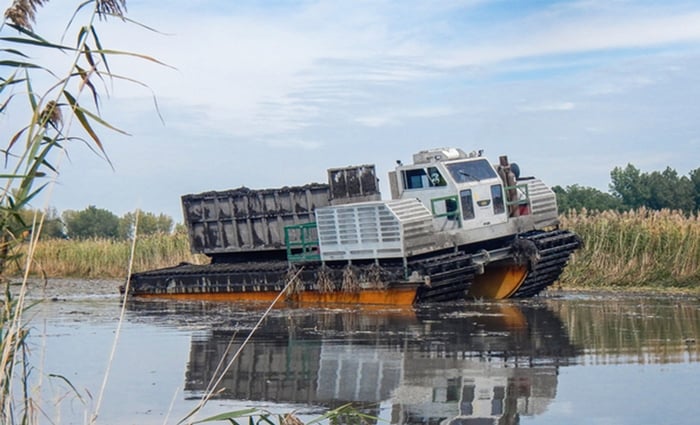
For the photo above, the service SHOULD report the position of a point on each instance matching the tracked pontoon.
(457, 226)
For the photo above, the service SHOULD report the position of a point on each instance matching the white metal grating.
(379, 229)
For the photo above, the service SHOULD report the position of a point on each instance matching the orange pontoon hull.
(403, 296)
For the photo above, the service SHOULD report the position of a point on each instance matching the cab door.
(482, 205)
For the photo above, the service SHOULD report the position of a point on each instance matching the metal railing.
(521, 188)
(450, 215)
(301, 241)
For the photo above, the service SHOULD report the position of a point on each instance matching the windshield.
(468, 171)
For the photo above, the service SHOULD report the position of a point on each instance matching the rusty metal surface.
(244, 220)
(447, 277)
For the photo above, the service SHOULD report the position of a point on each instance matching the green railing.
(523, 188)
(301, 241)
(451, 214)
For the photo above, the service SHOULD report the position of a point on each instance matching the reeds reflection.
(632, 329)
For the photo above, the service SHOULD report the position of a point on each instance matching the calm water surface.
(561, 359)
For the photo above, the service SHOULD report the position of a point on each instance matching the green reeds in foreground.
(641, 248)
(106, 258)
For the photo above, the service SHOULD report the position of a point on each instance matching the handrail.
(520, 187)
(301, 242)
(451, 215)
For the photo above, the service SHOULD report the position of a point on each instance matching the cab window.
(421, 178)
(468, 171)
(497, 196)
(467, 204)
(415, 179)
(436, 178)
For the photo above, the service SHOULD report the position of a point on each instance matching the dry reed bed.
(106, 258)
(640, 248)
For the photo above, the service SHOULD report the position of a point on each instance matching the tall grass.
(640, 248)
(107, 258)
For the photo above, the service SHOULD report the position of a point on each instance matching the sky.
(267, 94)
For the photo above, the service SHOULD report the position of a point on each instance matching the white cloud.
(371, 79)
(580, 35)
(294, 143)
(548, 107)
(377, 121)
(258, 74)
(397, 116)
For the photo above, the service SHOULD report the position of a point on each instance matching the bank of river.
(568, 357)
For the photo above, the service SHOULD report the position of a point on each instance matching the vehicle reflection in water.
(475, 363)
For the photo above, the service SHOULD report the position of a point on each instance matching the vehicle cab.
(461, 190)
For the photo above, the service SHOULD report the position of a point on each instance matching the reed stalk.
(108, 258)
(634, 249)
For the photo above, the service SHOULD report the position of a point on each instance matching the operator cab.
(461, 190)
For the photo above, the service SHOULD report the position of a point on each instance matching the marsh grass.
(107, 258)
(635, 249)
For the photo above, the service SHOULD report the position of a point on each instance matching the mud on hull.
(441, 278)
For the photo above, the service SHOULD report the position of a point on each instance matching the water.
(566, 358)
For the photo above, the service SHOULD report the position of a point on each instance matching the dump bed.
(243, 220)
(247, 220)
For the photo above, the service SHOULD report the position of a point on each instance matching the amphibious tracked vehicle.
(456, 226)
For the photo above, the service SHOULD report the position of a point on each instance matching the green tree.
(629, 186)
(655, 190)
(669, 190)
(52, 226)
(149, 224)
(180, 229)
(577, 197)
(695, 181)
(92, 222)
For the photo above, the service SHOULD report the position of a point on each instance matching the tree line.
(93, 222)
(631, 188)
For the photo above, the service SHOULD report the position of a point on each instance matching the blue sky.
(271, 94)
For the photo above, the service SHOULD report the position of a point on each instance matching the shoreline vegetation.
(108, 258)
(636, 250)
